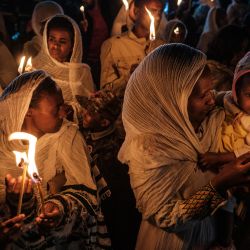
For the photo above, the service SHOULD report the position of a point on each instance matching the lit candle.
(32, 169)
(177, 31)
(82, 10)
(28, 66)
(125, 2)
(152, 25)
(21, 65)
(179, 2)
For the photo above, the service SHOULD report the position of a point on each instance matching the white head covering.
(52, 151)
(42, 12)
(209, 30)
(14, 104)
(161, 145)
(170, 27)
(73, 77)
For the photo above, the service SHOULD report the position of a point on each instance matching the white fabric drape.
(65, 150)
(161, 145)
(73, 77)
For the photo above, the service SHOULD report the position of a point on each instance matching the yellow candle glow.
(82, 10)
(177, 31)
(21, 65)
(125, 2)
(28, 66)
(179, 2)
(31, 164)
(152, 25)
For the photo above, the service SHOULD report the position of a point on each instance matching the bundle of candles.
(27, 162)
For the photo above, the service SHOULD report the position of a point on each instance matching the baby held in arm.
(235, 131)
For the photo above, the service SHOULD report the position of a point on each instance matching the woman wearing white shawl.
(161, 148)
(73, 76)
(58, 152)
(41, 13)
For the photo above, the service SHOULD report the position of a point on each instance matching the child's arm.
(212, 161)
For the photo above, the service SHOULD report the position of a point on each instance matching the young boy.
(104, 140)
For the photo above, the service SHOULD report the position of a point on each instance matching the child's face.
(91, 121)
(244, 94)
(59, 44)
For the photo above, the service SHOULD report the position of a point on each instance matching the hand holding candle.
(32, 169)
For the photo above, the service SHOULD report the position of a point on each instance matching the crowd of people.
(143, 142)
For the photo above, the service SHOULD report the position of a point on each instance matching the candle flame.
(28, 66)
(152, 25)
(179, 2)
(82, 8)
(32, 168)
(177, 31)
(125, 2)
(20, 68)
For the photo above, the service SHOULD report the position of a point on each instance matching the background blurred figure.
(216, 18)
(41, 13)
(125, 20)
(8, 66)
(95, 33)
(228, 46)
(120, 55)
(237, 10)
(175, 32)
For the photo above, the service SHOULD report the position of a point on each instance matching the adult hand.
(233, 174)
(9, 227)
(51, 216)
(13, 188)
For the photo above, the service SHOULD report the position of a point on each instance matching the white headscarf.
(42, 12)
(161, 145)
(73, 77)
(53, 151)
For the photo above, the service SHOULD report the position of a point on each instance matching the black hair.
(46, 87)
(60, 22)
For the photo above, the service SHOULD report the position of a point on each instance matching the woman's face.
(201, 101)
(59, 44)
(48, 114)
